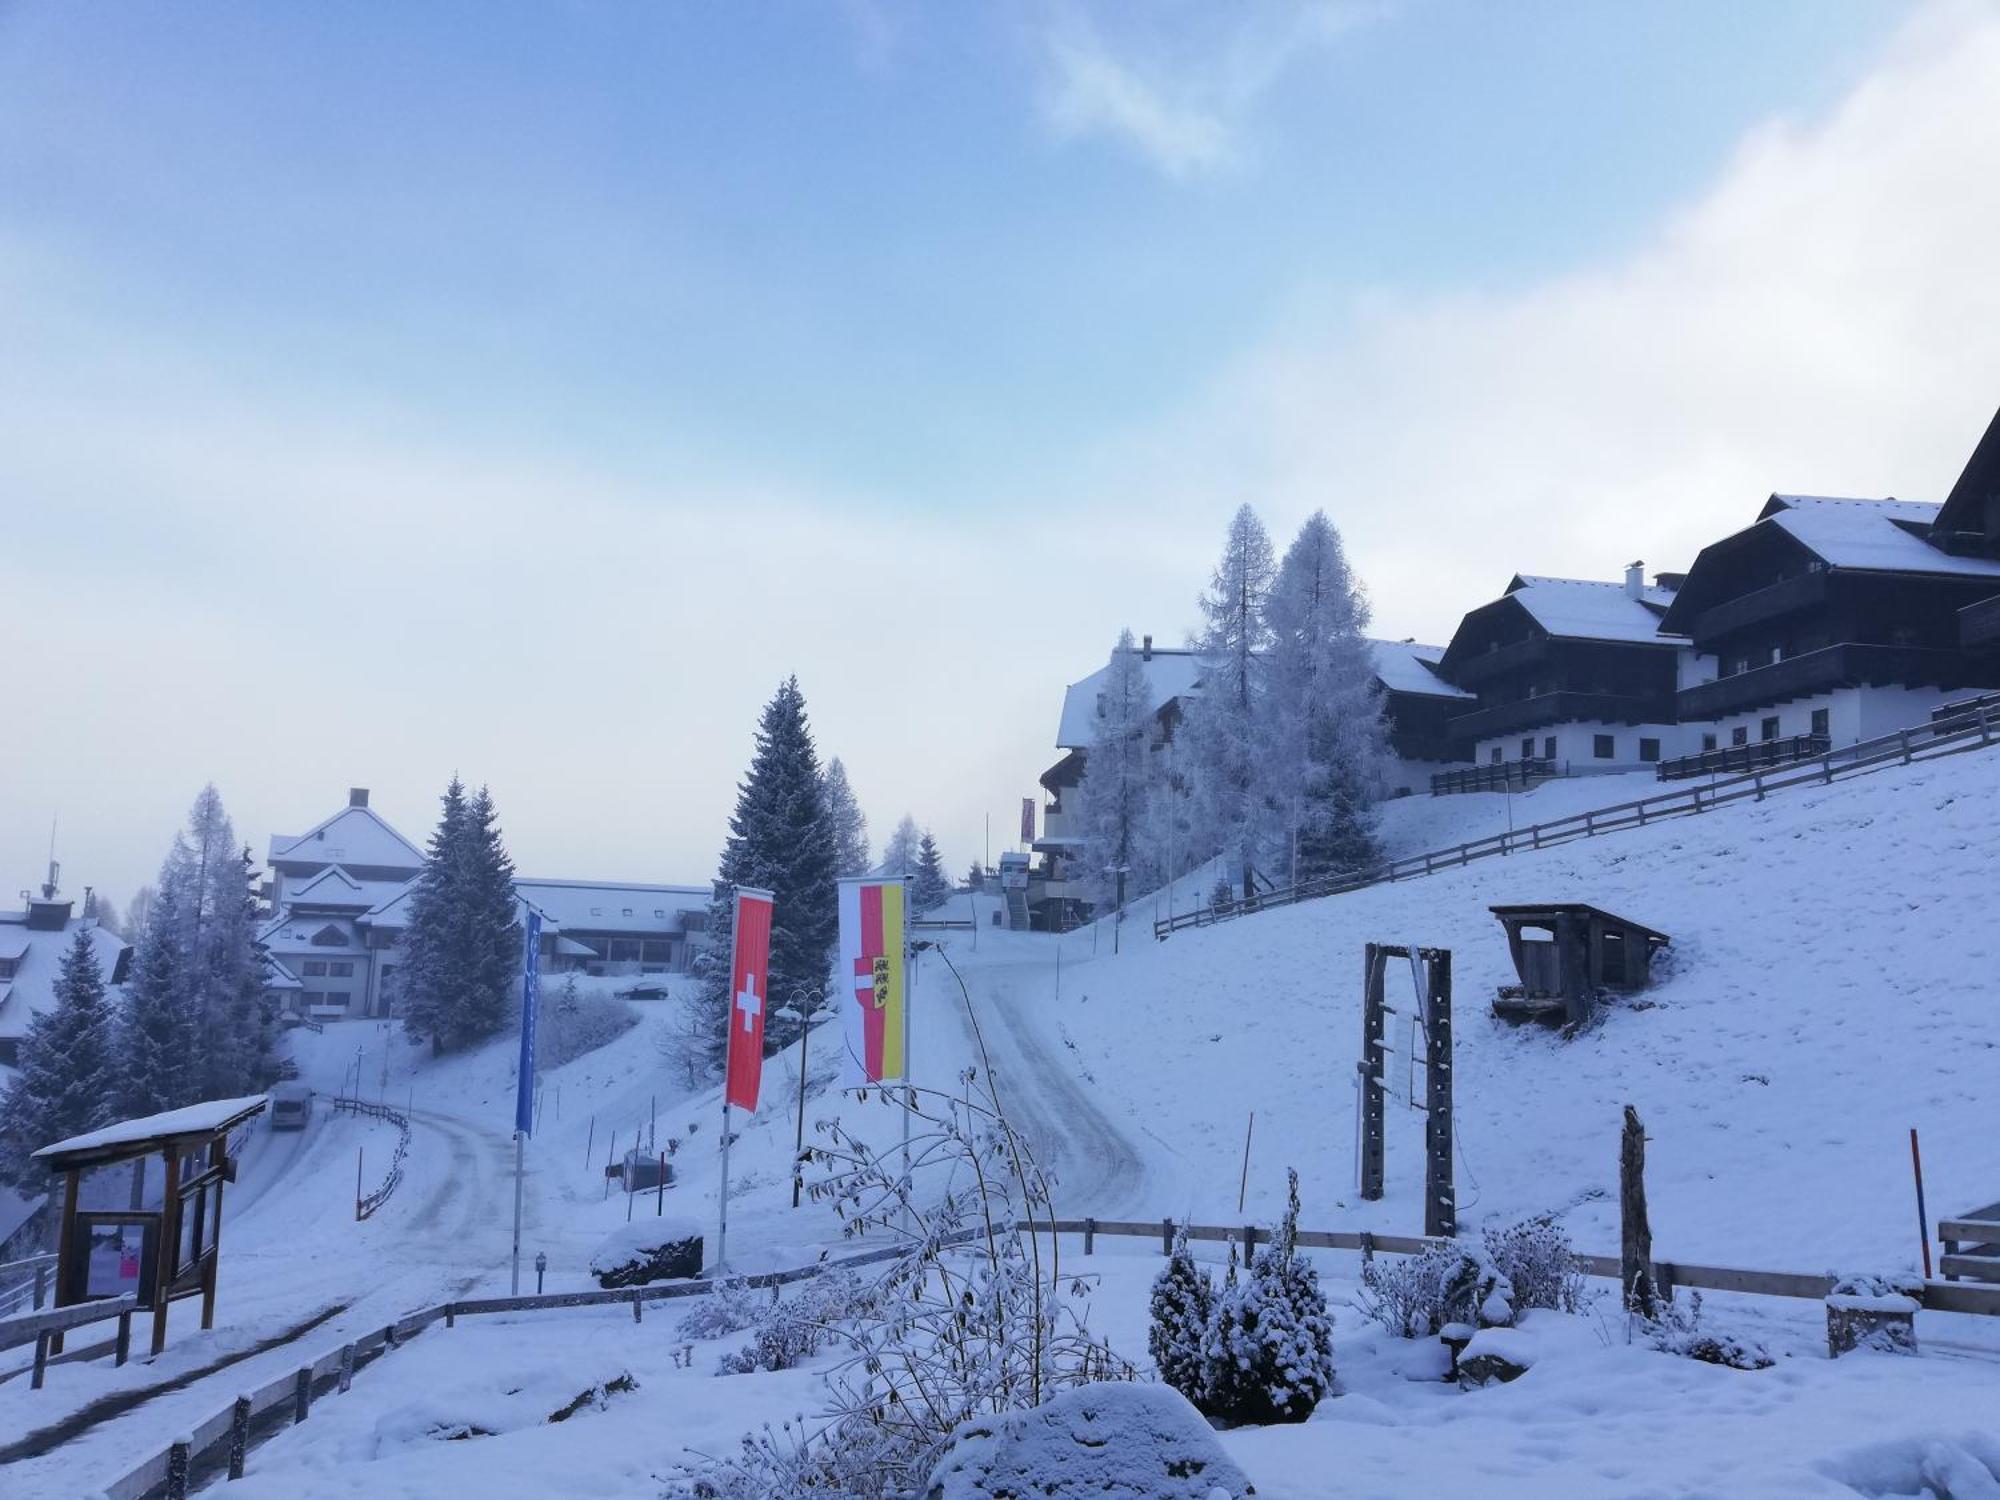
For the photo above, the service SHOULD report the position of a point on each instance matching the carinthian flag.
(873, 968)
(749, 990)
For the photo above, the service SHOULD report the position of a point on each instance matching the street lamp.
(541, 1265)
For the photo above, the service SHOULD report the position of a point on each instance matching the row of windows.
(1771, 728)
(324, 968)
(325, 997)
(1602, 747)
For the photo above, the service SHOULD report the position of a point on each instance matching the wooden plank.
(1759, 1283)
(26, 1327)
(1980, 1225)
(1978, 1267)
(1957, 1297)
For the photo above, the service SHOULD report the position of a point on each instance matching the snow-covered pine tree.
(1269, 1353)
(1182, 1306)
(849, 825)
(1323, 740)
(1231, 809)
(68, 1078)
(899, 855)
(1115, 793)
(462, 948)
(223, 978)
(780, 840)
(932, 887)
(160, 1033)
(136, 912)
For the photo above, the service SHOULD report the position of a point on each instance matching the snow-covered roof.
(37, 956)
(353, 836)
(1406, 667)
(1847, 533)
(1589, 610)
(1169, 674)
(209, 1118)
(279, 977)
(593, 906)
(333, 886)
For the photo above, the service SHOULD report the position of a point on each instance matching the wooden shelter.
(142, 1207)
(1565, 953)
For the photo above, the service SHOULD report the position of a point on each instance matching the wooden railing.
(1753, 755)
(365, 1204)
(41, 1328)
(1976, 728)
(31, 1287)
(1500, 776)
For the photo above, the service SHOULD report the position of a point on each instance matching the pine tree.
(1231, 807)
(1324, 743)
(899, 855)
(161, 1033)
(68, 1078)
(844, 816)
(1115, 794)
(462, 948)
(932, 887)
(1269, 1353)
(1182, 1306)
(780, 840)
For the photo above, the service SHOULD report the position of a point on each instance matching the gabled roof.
(336, 888)
(1586, 609)
(353, 836)
(610, 906)
(1866, 534)
(1977, 482)
(38, 962)
(1406, 667)
(278, 977)
(1169, 674)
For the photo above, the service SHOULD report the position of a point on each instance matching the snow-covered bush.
(730, 1308)
(1417, 1295)
(801, 1325)
(1268, 1356)
(1182, 1308)
(1678, 1330)
(1539, 1264)
(578, 1022)
(970, 1320)
(1222, 899)
(657, 1249)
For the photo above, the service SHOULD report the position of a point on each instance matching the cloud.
(1183, 107)
(1822, 317)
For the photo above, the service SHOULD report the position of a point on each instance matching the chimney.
(357, 796)
(1146, 649)
(1635, 580)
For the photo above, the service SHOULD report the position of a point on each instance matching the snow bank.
(648, 1250)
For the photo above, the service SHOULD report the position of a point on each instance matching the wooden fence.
(1976, 727)
(40, 1329)
(365, 1204)
(219, 1445)
(30, 1289)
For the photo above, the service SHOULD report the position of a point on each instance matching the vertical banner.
(1027, 821)
(531, 993)
(874, 960)
(749, 994)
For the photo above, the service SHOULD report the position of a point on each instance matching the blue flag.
(531, 990)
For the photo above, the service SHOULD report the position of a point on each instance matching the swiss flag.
(749, 994)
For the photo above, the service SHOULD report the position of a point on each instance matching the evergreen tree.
(462, 948)
(161, 1032)
(1323, 738)
(1115, 794)
(1269, 1352)
(136, 912)
(1182, 1306)
(1231, 814)
(899, 855)
(780, 840)
(932, 887)
(844, 817)
(68, 1078)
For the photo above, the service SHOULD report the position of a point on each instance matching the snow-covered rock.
(1107, 1441)
(656, 1249)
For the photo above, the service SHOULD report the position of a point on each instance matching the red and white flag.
(749, 993)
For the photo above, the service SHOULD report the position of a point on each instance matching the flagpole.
(728, 1054)
(524, 1073)
(909, 1089)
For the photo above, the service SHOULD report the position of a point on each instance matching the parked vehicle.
(291, 1106)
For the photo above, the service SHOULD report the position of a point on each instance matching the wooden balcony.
(1979, 625)
(1736, 760)
(1821, 671)
(1527, 714)
(1782, 598)
(1485, 665)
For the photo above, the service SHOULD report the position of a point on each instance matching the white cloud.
(1824, 318)
(1182, 107)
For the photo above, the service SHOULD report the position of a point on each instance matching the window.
(1528, 748)
(1708, 742)
(659, 913)
(1822, 722)
(315, 968)
(1769, 728)
(329, 937)
(1495, 756)
(1549, 748)
(341, 969)
(1603, 746)
(627, 912)
(1649, 749)
(1740, 735)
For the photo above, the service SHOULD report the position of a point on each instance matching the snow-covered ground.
(1829, 986)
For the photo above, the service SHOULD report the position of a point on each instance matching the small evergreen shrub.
(1268, 1356)
(1183, 1306)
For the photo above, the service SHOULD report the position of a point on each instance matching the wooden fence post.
(41, 1361)
(239, 1435)
(1090, 1236)
(1371, 1068)
(638, 1307)
(1635, 1233)
(302, 1394)
(1166, 1236)
(122, 1350)
(1440, 1194)
(178, 1458)
(346, 1368)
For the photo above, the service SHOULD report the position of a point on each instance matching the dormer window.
(329, 937)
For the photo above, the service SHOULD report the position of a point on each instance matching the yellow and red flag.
(874, 970)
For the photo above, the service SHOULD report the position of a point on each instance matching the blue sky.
(647, 353)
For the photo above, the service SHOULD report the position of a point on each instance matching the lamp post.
(541, 1265)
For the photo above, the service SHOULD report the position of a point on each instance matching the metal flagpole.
(520, 1152)
(909, 1091)
(524, 1074)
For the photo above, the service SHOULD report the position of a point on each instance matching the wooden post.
(302, 1394)
(41, 1361)
(1243, 1183)
(357, 1184)
(660, 1196)
(1573, 965)
(1249, 1244)
(170, 1239)
(178, 1458)
(638, 1307)
(590, 1143)
(123, 1350)
(239, 1435)
(41, 1286)
(1166, 1236)
(1635, 1236)
(346, 1368)
(1090, 1236)
(218, 1157)
(65, 1291)
(1440, 1193)
(1373, 1097)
